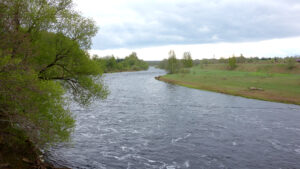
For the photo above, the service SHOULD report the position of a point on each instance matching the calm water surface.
(145, 123)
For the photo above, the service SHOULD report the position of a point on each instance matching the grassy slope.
(276, 87)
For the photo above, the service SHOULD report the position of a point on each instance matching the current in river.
(145, 123)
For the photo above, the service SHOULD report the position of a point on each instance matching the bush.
(232, 63)
(291, 63)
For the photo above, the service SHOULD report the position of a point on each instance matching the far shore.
(277, 87)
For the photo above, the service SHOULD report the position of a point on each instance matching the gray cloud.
(197, 22)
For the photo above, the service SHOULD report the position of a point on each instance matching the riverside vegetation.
(44, 59)
(130, 63)
(43, 55)
(272, 79)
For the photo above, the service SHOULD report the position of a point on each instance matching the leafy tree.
(187, 60)
(173, 63)
(241, 59)
(232, 63)
(43, 55)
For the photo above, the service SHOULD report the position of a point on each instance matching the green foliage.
(130, 63)
(232, 63)
(187, 60)
(31, 104)
(173, 64)
(163, 64)
(43, 55)
(241, 59)
(291, 63)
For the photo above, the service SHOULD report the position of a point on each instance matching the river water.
(145, 123)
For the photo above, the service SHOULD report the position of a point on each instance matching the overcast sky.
(214, 28)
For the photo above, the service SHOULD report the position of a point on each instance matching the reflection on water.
(146, 123)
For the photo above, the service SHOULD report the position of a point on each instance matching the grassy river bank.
(249, 80)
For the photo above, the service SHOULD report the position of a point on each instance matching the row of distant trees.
(242, 59)
(234, 61)
(129, 63)
(174, 65)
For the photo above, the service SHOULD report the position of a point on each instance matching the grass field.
(279, 87)
(257, 67)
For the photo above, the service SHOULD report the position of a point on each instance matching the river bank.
(23, 156)
(17, 152)
(275, 87)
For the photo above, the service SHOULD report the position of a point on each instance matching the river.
(145, 123)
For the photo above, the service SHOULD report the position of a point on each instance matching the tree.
(187, 60)
(173, 64)
(241, 59)
(232, 63)
(43, 55)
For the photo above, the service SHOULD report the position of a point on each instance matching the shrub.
(291, 63)
(232, 63)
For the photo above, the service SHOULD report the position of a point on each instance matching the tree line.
(242, 59)
(174, 65)
(129, 63)
(233, 61)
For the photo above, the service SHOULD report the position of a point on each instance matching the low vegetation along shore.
(130, 63)
(262, 80)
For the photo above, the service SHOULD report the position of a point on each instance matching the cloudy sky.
(214, 28)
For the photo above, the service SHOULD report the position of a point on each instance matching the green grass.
(256, 67)
(278, 87)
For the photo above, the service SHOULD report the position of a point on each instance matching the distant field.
(257, 67)
(279, 87)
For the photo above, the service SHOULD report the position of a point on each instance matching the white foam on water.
(297, 150)
(171, 167)
(188, 135)
(146, 143)
(176, 140)
(180, 138)
(292, 128)
(187, 164)
(92, 116)
(119, 158)
(276, 144)
(135, 131)
(112, 129)
(128, 165)
(203, 156)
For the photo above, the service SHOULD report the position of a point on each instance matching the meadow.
(272, 82)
